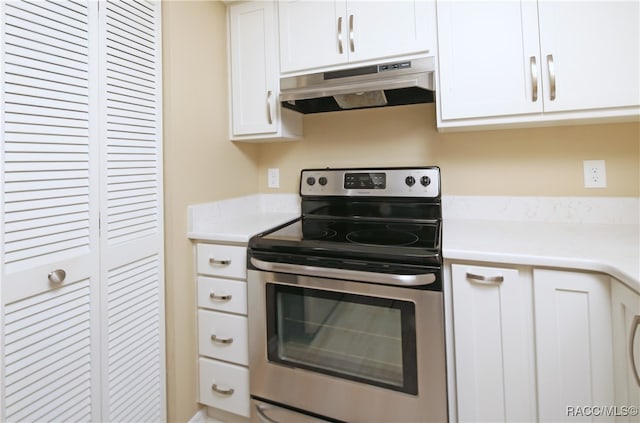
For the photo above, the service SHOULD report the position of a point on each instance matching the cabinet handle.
(224, 262)
(227, 392)
(57, 276)
(352, 43)
(534, 79)
(269, 117)
(632, 338)
(481, 278)
(213, 296)
(262, 415)
(340, 48)
(552, 77)
(214, 338)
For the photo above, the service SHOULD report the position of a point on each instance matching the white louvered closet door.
(81, 192)
(50, 210)
(131, 210)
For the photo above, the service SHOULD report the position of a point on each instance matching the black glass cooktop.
(321, 241)
(365, 233)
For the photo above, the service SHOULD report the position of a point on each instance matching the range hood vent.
(389, 84)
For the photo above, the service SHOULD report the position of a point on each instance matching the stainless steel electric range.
(346, 318)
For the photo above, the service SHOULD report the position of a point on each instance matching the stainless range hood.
(388, 84)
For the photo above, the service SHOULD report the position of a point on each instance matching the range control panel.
(380, 182)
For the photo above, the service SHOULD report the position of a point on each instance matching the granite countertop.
(593, 234)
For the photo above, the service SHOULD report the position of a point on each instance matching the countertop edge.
(567, 263)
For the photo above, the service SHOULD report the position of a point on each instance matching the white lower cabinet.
(573, 342)
(224, 386)
(223, 328)
(536, 344)
(495, 369)
(625, 307)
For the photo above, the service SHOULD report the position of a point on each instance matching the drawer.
(222, 294)
(222, 260)
(224, 386)
(223, 336)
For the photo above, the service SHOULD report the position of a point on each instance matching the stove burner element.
(313, 230)
(382, 237)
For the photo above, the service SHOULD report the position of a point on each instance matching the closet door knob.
(57, 276)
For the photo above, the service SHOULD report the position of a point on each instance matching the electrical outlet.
(595, 175)
(273, 177)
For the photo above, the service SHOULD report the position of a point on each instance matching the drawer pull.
(634, 329)
(224, 262)
(214, 338)
(213, 296)
(227, 392)
(482, 278)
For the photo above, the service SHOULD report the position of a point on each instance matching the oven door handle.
(420, 279)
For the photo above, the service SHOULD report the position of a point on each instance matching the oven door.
(347, 350)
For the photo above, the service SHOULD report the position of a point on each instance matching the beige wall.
(200, 165)
(539, 161)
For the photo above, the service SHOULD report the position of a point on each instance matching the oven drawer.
(222, 260)
(224, 386)
(222, 294)
(223, 336)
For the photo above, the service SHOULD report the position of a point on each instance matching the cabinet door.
(495, 377)
(378, 29)
(313, 34)
(49, 213)
(625, 306)
(488, 59)
(254, 78)
(590, 53)
(573, 341)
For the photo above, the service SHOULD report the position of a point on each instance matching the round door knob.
(57, 276)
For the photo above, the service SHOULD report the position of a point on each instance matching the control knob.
(322, 181)
(410, 180)
(425, 181)
(311, 180)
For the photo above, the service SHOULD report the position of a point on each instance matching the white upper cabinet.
(488, 56)
(590, 53)
(522, 62)
(321, 34)
(256, 113)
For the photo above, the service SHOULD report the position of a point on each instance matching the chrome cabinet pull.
(534, 79)
(57, 276)
(340, 48)
(224, 262)
(214, 296)
(214, 338)
(352, 43)
(261, 410)
(552, 77)
(227, 392)
(269, 117)
(632, 338)
(481, 278)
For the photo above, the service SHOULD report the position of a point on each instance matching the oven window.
(361, 338)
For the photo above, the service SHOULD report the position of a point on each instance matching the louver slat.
(131, 122)
(46, 98)
(134, 344)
